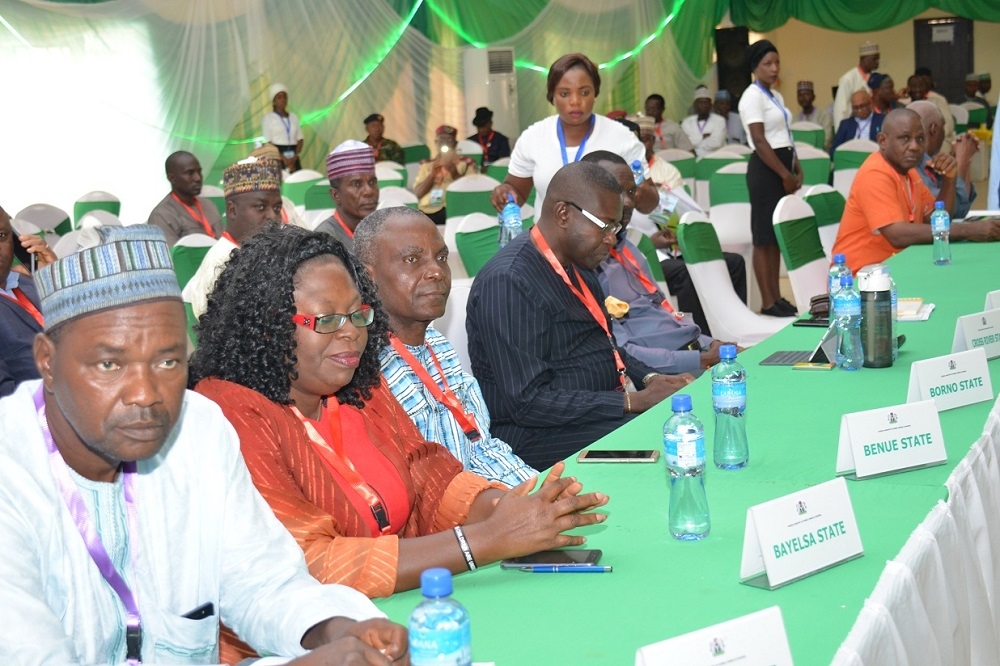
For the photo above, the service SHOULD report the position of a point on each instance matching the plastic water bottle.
(684, 445)
(439, 626)
(839, 268)
(847, 314)
(510, 221)
(940, 229)
(637, 173)
(729, 397)
(895, 316)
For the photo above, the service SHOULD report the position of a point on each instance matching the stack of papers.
(922, 313)
(908, 307)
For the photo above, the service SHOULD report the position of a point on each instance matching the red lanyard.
(486, 144)
(584, 294)
(343, 225)
(228, 237)
(629, 262)
(199, 217)
(447, 397)
(377, 149)
(331, 451)
(28, 306)
(659, 133)
(908, 191)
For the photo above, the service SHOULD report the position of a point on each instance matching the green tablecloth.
(660, 587)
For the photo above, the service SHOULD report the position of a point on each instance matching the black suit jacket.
(17, 334)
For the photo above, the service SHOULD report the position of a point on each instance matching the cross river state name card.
(981, 329)
(757, 639)
(890, 439)
(799, 534)
(953, 380)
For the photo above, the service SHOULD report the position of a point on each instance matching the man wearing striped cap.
(353, 188)
(853, 80)
(130, 525)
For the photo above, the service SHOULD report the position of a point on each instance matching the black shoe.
(785, 305)
(776, 311)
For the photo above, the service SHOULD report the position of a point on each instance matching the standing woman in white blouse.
(773, 170)
(282, 129)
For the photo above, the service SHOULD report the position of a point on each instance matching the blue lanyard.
(288, 125)
(784, 112)
(583, 144)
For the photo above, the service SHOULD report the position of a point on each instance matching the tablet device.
(825, 352)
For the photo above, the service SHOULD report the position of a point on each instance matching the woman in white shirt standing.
(773, 170)
(282, 129)
(549, 144)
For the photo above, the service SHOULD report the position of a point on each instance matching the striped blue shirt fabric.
(489, 457)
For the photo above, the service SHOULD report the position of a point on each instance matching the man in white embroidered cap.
(130, 525)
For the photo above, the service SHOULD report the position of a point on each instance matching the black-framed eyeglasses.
(331, 323)
(610, 229)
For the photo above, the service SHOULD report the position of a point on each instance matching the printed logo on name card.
(717, 647)
(952, 365)
(893, 419)
(800, 508)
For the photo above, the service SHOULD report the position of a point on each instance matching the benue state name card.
(799, 534)
(981, 329)
(755, 639)
(953, 380)
(890, 439)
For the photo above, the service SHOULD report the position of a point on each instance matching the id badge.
(289, 154)
(437, 196)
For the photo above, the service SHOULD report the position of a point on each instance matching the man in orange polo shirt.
(889, 207)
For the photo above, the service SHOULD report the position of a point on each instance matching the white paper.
(952, 380)
(923, 314)
(890, 439)
(992, 300)
(981, 329)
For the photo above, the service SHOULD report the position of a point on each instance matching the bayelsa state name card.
(804, 532)
(890, 439)
(757, 638)
(952, 380)
(981, 329)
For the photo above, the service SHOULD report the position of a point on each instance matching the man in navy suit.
(20, 312)
(863, 124)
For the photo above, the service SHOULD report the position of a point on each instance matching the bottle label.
(727, 396)
(940, 223)
(685, 450)
(449, 647)
(846, 306)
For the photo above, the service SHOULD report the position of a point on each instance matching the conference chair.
(961, 116)
(736, 149)
(69, 243)
(390, 174)
(798, 237)
(704, 168)
(684, 162)
(498, 169)
(471, 149)
(392, 196)
(215, 194)
(317, 196)
(96, 200)
(727, 315)
(847, 159)
(470, 194)
(730, 215)
(297, 184)
(187, 255)
(49, 219)
(24, 228)
(815, 164)
(412, 155)
(98, 218)
(645, 245)
(808, 133)
(828, 207)
(452, 324)
(977, 115)
(476, 239)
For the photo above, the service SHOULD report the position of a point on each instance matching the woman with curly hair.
(289, 349)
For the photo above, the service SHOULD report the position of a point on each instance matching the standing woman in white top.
(773, 170)
(282, 128)
(549, 144)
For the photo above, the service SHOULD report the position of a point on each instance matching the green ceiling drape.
(851, 15)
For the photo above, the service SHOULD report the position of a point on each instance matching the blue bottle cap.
(435, 582)
(839, 258)
(510, 198)
(938, 205)
(846, 281)
(680, 402)
(727, 351)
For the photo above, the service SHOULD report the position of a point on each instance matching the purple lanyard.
(77, 509)
(583, 145)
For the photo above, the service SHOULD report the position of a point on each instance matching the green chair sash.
(318, 197)
(703, 169)
(977, 117)
(81, 208)
(296, 192)
(815, 170)
(191, 322)
(649, 251)
(219, 203)
(960, 128)
(63, 227)
(699, 242)
(497, 171)
(799, 242)
(828, 207)
(814, 138)
(463, 203)
(477, 247)
(388, 182)
(849, 159)
(685, 166)
(187, 259)
(726, 188)
(416, 153)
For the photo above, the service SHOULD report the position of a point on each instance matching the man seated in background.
(806, 97)
(495, 145)
(110, 447)
(705, 130)
(884, 97)
(734, 126)
(889, 207)
(661, 172)
(648, 328)
(382, 148)
(966, 146)
(919, 87)
(668, 133)
(862, 123)
(353, 188)
(437, 173)
(853, 80)
(539, 338)
(253, 198)
(972, 94)
(183, 212)
(408, 260)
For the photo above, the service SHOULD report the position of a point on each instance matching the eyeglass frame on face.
(606, 228)
(365, 313)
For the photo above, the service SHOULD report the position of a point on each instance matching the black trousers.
(681, 286)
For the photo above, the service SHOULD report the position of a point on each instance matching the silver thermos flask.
(876, 318)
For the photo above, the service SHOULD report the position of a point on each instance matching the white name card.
(952, 380)
(890, 439)
(757, 638)
(799, 534)
(981, 329)
(992, 300)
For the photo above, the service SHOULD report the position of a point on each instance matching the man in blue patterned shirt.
(406, 256)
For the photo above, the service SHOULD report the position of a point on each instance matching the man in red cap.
(437, 174)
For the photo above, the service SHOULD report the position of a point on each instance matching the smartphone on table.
(618, 456)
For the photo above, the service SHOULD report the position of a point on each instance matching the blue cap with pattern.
(131, 265)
